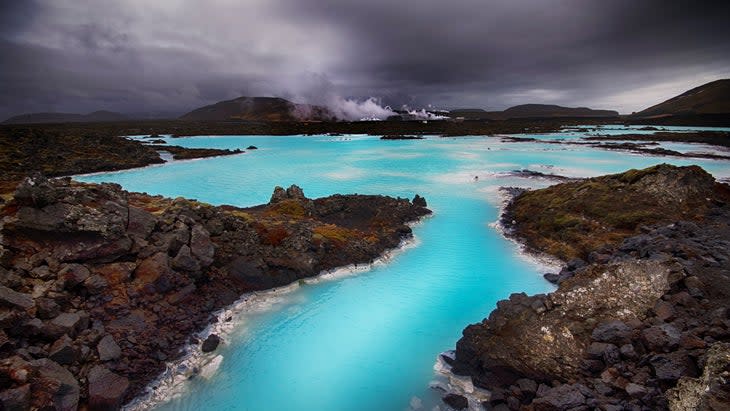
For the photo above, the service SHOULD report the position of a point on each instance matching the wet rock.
(15, 399)
(251, 148)
(552, 277)
(13, 298)
(210, 343)
(108, 349)
(53, 386)
(106, 389)
(455, 401)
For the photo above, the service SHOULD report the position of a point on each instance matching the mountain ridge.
(258, 109)
(532, 110)
(710, 98)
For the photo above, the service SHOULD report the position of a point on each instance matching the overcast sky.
(170, 56)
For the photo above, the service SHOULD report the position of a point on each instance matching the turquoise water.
(369, 340)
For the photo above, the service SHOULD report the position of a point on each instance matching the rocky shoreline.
(640, 319)
(61, 152)
(100, 287)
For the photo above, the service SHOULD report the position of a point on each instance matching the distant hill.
(532, 111)
(258, 109)
(96, 116)
(711, 98)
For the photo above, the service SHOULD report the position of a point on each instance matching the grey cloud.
(135, 55)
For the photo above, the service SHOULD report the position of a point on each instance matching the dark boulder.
(108, 349)
(615, 332)
(13, 298)
(560, 398)
(62, 351)
(673, 366)
(15, 399)
(455, 401)
(419, 201)
(106, 389)
(72, 275)
(661, 337)
(210, 343)
(53, 386)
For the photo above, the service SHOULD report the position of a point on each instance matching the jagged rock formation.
(98, 286)
(647, 312)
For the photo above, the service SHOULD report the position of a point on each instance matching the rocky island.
(641, 316)
(99, 286)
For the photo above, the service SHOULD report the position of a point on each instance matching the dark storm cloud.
(136, 56)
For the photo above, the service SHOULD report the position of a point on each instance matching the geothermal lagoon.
(368, 338)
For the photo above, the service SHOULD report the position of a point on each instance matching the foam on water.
(365, 338)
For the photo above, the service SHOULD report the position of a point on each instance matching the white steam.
(422, 114)
(352, 110)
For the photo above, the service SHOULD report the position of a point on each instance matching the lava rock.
(62, 351)
(419, 201)
(672, 366)
(15, 299)
(106, 389)
(455, 401)
(73, 274)
(560, 398)
(661, 337)
(210, 343)
(615, 332)
(15, 399)
(53, 386)
(108, 349)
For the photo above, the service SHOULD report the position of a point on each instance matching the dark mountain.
(96, 116)
(532, 111)
(258, 109)
(549, 110)
(708, 99)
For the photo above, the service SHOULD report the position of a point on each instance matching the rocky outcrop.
(641, 323)
(70, 149)
(99, 287)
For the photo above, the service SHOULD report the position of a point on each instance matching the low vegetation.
(572, 219)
